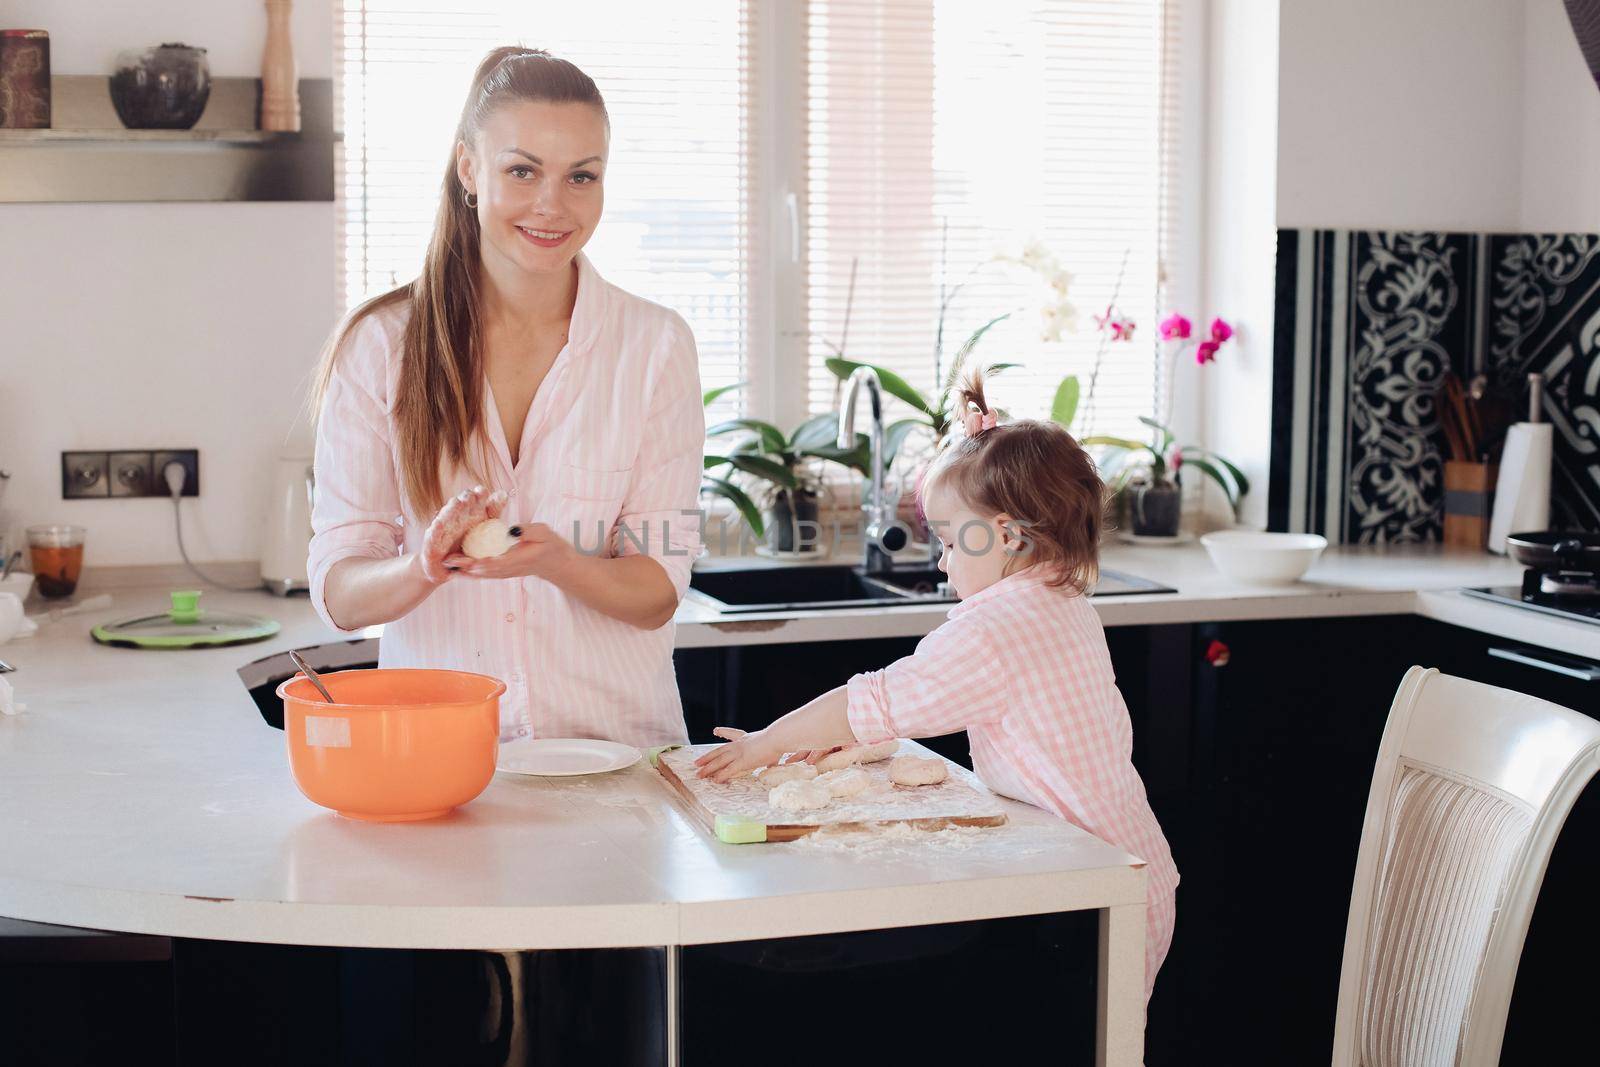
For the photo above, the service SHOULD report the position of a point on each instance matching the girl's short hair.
(1038, 475)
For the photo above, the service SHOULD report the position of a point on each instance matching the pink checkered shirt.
(1024, 669)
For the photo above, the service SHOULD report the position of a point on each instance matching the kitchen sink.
(815, 587)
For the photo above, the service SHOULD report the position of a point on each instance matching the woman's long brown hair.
(438, 406)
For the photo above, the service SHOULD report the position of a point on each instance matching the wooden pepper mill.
(280, 79)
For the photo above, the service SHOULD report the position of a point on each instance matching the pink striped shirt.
(1024, 669)
(610, 457)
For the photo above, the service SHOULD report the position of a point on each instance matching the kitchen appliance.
(288, 538)
(1563, 575)
(1522, 491)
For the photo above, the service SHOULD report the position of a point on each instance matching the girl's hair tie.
(976, 421)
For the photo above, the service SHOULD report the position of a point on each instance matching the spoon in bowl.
(305, 669)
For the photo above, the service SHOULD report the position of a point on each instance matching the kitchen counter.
(141, 792)
(1346, 581)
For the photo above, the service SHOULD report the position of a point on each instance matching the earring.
(470, 198)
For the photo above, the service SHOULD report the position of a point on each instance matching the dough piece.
(489, 538)
(912, 770)
(780, 773)
(880, 751)
(838, 761)
(845, 782)
(800, 794)
(849, 757)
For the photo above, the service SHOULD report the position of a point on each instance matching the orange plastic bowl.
(396, 745)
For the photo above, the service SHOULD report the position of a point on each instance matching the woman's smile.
(544, 238)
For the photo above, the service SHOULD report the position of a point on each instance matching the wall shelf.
(90, 157)
(26, 137)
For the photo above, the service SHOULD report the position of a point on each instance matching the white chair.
(1471, 787)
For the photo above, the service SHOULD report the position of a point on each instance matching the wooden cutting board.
(737, 812)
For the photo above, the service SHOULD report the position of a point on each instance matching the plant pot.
(1155, 509)
(792, 521)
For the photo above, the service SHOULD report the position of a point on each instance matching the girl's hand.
(540, 552)
(741, 755)
(442, 540)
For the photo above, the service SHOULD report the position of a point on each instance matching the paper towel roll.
(1522, 495)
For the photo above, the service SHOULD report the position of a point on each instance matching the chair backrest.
(1471, 786)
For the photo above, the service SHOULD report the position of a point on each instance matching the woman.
(510, 380)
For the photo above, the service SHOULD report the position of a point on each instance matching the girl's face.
(975, 549)
(537, 169)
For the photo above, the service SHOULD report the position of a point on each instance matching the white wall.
(1400, 115)
(160, 325)
(1240, 236)
(1560, 127)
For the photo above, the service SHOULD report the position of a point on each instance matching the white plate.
(562, 756)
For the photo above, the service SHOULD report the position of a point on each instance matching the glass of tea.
(57, 553)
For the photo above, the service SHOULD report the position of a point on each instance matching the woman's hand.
(540, 552)
(441, 543)
(742, 754)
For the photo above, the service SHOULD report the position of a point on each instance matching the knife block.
(1468, 502)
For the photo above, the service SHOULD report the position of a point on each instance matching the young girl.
(1021, 664)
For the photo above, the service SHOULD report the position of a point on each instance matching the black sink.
(814, 587)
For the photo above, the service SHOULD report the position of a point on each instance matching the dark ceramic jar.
(161, 88)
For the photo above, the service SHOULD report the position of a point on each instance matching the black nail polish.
(449, 568)
(515, 531)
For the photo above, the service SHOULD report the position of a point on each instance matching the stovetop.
(1580, 604)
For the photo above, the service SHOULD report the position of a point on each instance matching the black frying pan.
(1570, 550)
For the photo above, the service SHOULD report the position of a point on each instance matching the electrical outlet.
(189, 457)
(85, 475)
(130, 473)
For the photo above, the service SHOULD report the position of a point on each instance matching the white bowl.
(1263, 558)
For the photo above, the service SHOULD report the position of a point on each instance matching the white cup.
(10, 616)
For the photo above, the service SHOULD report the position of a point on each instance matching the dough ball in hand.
(778, 774)
(913, 770)
(492, 537)
(845, 782)
(800, 794)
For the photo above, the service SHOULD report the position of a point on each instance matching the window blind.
(679, 182)
(941, 133)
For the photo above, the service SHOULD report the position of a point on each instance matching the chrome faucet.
(883, 534)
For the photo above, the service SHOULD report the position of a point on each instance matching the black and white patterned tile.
(1366, 324)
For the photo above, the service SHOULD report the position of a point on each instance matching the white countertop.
(142, 792)
(1345, 581)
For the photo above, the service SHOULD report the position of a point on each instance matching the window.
(943, 132)
(764, 148)
(673, 77)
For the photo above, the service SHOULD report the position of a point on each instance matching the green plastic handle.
(186, 605)
(654, 754)
(736, 831)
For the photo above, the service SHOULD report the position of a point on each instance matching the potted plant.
(1146, 475)
(786, 467)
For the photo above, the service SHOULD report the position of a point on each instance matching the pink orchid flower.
(1220, 331)
(1175, 328)
(1207, 352)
